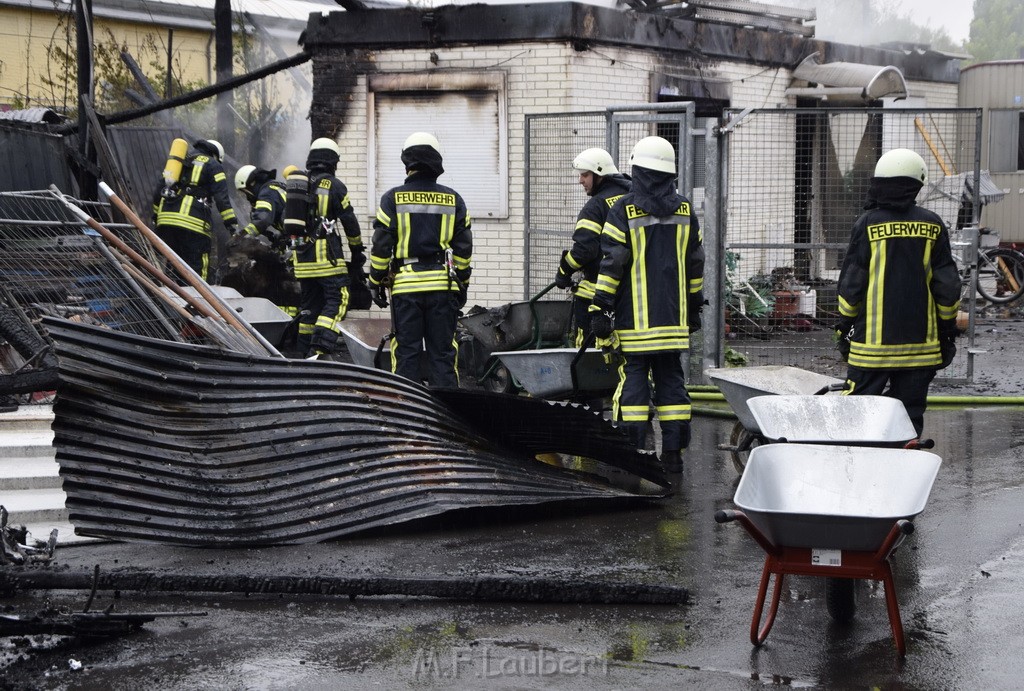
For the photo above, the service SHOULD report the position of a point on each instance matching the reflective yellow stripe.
(876, 293)
(680, 411)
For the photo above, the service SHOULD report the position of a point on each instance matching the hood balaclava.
(422, 161)
(655, 191)
(892, 194)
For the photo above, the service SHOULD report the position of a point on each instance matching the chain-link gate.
(793, 184)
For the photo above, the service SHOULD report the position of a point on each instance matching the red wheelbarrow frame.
(782, 561)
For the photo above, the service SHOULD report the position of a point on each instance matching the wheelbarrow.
(837, 512)
(533, 324)
(739, 384)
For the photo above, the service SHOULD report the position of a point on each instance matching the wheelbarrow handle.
(920, 444)
(729, 515)
(726, 515)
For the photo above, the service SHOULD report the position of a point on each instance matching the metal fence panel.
(795, 182)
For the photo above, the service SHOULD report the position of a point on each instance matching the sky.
(952, 15)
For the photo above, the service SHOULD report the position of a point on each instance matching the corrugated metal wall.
(999, 87)
(32, 161)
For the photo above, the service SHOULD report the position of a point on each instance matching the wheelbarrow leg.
(757, 637)
(893, 607)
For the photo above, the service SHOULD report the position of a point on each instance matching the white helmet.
(327, 144)
(597, 161)
(422, 139)
(654, 153)
(902, 163)
(219, 147)
(242, 176)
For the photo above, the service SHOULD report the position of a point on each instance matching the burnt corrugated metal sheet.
(182, 444)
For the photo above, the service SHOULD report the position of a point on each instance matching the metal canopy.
(846, 80)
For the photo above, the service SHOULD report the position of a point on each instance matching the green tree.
(997, 30)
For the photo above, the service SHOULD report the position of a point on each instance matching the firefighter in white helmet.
(266, 196)
(318, 259)
(648, 297)
(604, 184)
(422, 246)
(182, 210)
(899, 290)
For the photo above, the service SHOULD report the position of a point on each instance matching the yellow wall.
(26, 35)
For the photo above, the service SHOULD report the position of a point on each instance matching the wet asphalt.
(958, 579)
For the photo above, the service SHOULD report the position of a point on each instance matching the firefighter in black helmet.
(318, 259)
(182, 210)
(604, 184)
(899, 290)
(648, 296)
(422, 235)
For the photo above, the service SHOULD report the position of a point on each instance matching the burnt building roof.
(586, 25)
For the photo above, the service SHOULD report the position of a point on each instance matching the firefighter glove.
(358, 257)
(601, 323)
(563, 278)
(694, 305)
(380, 295)
(844, 330)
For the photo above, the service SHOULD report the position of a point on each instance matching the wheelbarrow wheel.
(841, 599)
(499, 380)
(741, 441)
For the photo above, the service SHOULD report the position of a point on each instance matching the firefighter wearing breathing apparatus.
(181, 204)
(267, 199)
(422, 246)
(899, 290)
(604, 184)
(317, 203)
(648, 296)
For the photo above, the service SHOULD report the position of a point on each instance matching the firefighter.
(604, 184)
(268, 264)
(648, 297)
(181, 210)
(267, 199)
(423, 237)
(318, 257)
(899, 290)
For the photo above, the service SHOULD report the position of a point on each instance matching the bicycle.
(997, 274)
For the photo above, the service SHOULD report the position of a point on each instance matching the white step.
(29, 473)
(34, 505)
(27, 418)
(26, 444)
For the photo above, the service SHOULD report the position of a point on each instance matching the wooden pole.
(194, 280)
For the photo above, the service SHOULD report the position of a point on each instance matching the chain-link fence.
(780, 207)
(795, 182)
(553, 194)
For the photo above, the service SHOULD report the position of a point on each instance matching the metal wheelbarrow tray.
(363, 335)
(739, 384)
(853, 420)
(548, 372)
(832, 511)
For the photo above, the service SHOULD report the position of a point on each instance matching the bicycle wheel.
(1000, 276)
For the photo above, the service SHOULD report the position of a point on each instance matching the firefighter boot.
(672, 460)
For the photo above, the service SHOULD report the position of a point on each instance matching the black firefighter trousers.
(426, 320)
(632, 400)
